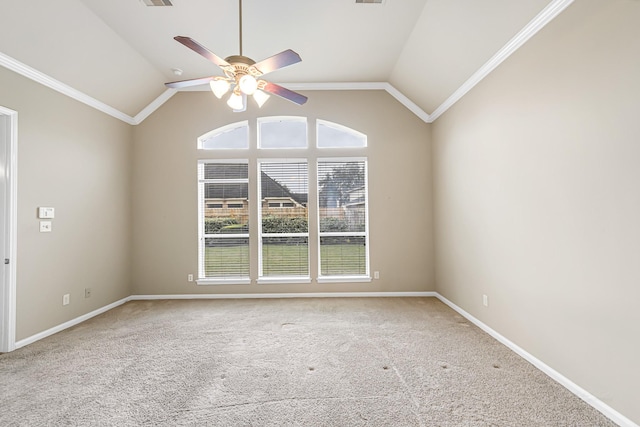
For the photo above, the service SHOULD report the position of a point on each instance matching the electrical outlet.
(65, 299)
(87, 292)
(190, 278)
(45, 226)
(376, 274)
(485, 300)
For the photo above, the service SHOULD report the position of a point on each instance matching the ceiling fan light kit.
(242, 75)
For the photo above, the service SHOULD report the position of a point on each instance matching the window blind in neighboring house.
(284, 229)
(224, 220)
(343, 217)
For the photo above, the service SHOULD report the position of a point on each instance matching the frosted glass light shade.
(260, 97)
(235, 101)
(248, 84)
(219, 87)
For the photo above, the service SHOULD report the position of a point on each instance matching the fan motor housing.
(239, 59)
(241, 66)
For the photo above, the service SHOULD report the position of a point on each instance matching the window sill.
(282, 280)
(232, 281)
(343, 279)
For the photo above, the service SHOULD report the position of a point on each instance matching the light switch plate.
(46, 212)
(45, 226)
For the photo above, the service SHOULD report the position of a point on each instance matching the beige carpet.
(289, 362)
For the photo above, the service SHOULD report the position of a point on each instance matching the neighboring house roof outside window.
(270, 187)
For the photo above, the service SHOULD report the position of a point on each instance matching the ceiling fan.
(242, 75)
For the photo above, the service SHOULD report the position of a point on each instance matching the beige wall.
(165, 238)
(77, 160)
(537, 199)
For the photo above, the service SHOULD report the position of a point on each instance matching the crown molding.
(552, 10)
(155, 104)
(547, 14)
(399, 96)
(39, 77)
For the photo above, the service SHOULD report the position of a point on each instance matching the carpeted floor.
(287, 362)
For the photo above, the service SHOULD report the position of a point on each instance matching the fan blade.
(191, 82)
(277, 61)
(198, 48)
(285, 93)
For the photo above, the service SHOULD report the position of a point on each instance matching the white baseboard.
(287, 295)
(574, 388)
(70, 323)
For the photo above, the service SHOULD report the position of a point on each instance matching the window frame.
(253, 155)
(366, 277)
(234, 280)
(261, 279)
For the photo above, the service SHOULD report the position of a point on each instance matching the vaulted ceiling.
(121, 52)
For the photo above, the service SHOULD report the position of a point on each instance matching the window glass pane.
(342, 196)
(282, 133)
(285, 256)
(226, 171)
(342, 212)
(234, 136)
(284, 189)
(343, 256)
(284, 228)
(224, 216)
(331, 135)
(226, 257)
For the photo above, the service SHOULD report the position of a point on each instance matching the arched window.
(287, 189)
(333, 135)
(233, 136)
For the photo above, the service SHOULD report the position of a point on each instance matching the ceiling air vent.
(157, 2)
(370, 1)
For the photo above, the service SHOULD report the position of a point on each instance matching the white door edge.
(9, 143)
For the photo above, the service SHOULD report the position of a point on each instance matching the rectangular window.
(223, 232)
(343, 213)
(284, 233)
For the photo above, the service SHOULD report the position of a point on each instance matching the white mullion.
(225, 181)
(201, 228)
(342, 234)
(285, 235)
(226, 236)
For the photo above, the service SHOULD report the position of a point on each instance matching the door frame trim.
(8, 291)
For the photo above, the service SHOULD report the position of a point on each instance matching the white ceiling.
(121, 52)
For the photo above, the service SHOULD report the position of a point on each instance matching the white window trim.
(202, 280)
(230, 281)
(283, 280)
(344, 278)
